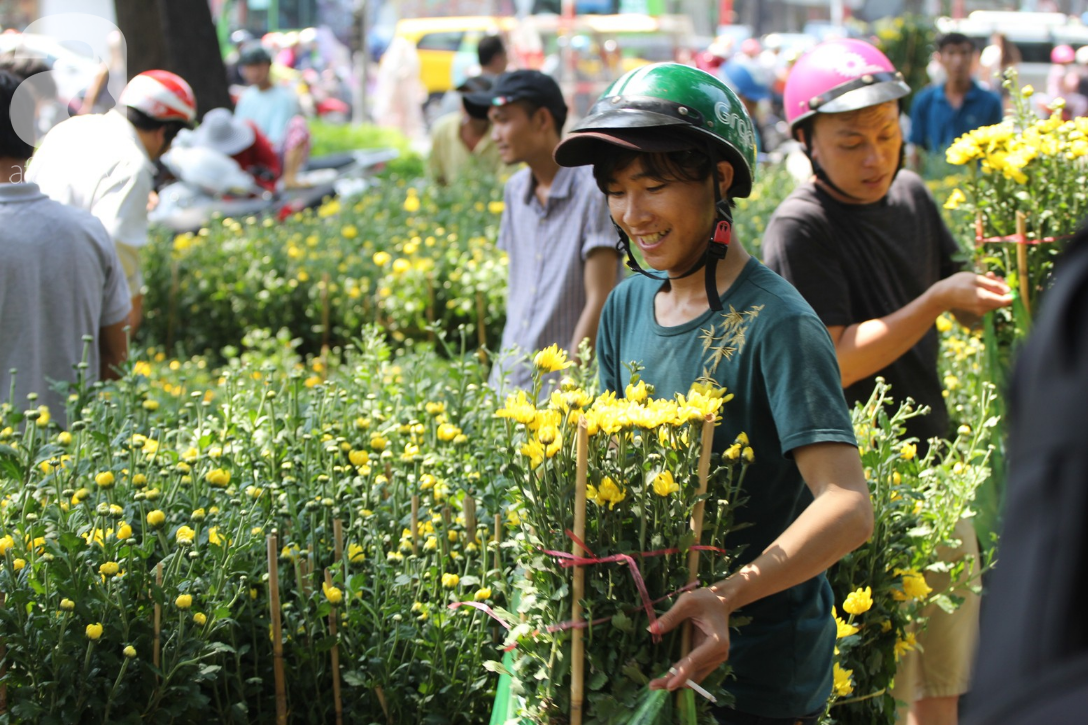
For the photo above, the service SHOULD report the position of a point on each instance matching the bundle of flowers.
(882, 589)
(641, 546)
(1024, 190)
(1023, 196)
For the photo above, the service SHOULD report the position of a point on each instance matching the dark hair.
(28, 66)
(690, 165)
(254, 54)
(954, 39)
(489, 47)
(11, 145)
(142, 121)
(559, 115)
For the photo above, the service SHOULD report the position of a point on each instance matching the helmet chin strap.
(717, 248)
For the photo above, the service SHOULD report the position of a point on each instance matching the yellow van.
(439, 41)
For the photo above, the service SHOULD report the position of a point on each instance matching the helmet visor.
(582, 148)
(861, 93)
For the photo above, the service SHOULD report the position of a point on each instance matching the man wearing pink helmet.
(104, 163)
(942, 113)
(864, 243)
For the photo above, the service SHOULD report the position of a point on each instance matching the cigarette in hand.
(697, 688)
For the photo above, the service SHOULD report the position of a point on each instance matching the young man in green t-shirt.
(671, 147)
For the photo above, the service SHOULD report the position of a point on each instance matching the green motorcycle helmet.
(667, 107)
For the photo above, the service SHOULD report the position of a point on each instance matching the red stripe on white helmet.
(161, 95)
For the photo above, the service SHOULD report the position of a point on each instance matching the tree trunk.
(178, 36)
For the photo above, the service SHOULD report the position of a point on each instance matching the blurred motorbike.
(209, 184)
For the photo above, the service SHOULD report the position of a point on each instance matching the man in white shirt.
(104, 163)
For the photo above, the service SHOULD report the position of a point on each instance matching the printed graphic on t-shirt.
(726, 338)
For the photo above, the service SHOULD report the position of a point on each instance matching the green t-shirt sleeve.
(804, 385)
(608, 362)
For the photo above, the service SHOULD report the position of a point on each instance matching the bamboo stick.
(415, 525)
(697, 519)
(498, 542)
(381, 701)
(156, 645)
(338, 538)
(469, 509)
(334, 653)
(277, 630)
(447, 527)
(577, 645)
(1022, 273)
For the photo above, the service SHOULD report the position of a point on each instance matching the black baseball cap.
(520, 85)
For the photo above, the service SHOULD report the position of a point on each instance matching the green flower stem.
(113, 690)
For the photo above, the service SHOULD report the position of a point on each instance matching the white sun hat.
(224, 133)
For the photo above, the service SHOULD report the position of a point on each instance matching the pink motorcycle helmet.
(1063, 54)
(837, 76)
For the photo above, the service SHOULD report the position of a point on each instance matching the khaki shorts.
(130, 261)
(941, 666)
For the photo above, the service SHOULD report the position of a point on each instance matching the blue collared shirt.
(934, 124)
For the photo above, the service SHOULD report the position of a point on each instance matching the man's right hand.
(972, 293)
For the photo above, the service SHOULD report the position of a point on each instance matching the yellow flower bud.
(333, 594)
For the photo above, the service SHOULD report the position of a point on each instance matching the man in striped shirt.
(555, 228)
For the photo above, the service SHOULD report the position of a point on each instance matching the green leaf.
(353, 678)
(623, 623)
(495, 666)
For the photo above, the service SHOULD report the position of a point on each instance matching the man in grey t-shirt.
(60, 279)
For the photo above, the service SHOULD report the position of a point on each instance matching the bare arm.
(865, 348)
(839, 520)
(600, 277)
(101, 78)
(112, 349)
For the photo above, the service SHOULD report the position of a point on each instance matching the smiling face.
(517, 131)
(859, 150)
(666, 216)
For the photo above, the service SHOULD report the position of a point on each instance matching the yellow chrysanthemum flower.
(858, 601)
(551, 359)
(843, 681)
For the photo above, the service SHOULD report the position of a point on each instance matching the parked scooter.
(211, 184)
